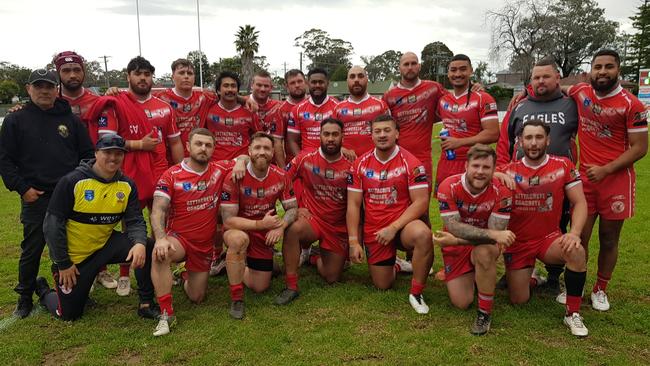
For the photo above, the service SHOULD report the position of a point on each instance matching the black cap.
(43, 75)
(111, 141)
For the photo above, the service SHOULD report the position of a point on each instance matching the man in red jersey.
(324, 175)
(393, 187)
(470, 117)
(184, 222)
(613, 135)
(296, 88)
(231, 124)
(413, 104)
(357, 111)
(542, 182)
(251, 227)
(303, 126)
(267, 108)
(475, 208)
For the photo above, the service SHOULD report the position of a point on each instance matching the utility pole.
(300, 61)
(106, 69)
(285, 68)
(137, 14)
(198, 25)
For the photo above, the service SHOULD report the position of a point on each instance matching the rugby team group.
(353, 175)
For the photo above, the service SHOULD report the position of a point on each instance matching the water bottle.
(450, 154)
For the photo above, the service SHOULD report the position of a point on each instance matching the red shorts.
(457, 261)
(613, 197)
(523, 254)
(447, 168)
(257, 247)
(331, 238)
(198, 256)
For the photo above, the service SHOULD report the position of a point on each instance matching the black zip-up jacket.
(38, 147)
(61, 208)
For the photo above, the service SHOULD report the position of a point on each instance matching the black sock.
(575, 282)
(554, 271)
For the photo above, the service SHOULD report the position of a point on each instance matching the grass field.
(346, 323)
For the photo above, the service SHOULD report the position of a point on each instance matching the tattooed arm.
(471, 235)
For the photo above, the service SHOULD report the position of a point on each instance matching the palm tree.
(247, 46)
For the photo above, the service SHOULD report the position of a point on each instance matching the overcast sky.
(33, 30)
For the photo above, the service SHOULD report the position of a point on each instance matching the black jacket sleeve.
(136, 228)
(57, 240)
(85, 146)
(9, 150)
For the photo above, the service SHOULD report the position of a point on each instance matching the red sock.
(102, 269)
(416, 287)
(124, 270)
(292, 281)
(397, 268)
(485, 302)
(165, 302)
(601, 282)
(573, 304)
(237, 292)
(313, 259)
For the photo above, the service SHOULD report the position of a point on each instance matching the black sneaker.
(91, 303)
(42, 287)
(551, 288)
(481, 324)
(149, 310)
(502, 283)
(237, 309)
(24, 307)
(286, 296)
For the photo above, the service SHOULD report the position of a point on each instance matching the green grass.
(349, 322)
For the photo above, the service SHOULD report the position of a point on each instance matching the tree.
(194, 57)
(639, 55)
(18, 74)
(94, 74)
(482, 74)
(8, 90)
(234, 64)
(340, 73)
(323, 51)
(435, 57)
(247, 46)
(382, 67)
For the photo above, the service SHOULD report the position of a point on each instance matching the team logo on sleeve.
(370, 173)
(490, 107)
(574, 174)
(162, 187)
(63, 131)
(248, 191)
(103, 121)
(187, 186)
(225, 196)
(349, 178)
(260, 193)
(89, 195)
(329, 173)
(419, 170)
(291, 122)
(173, 104)
(286, 168)
(443, 206)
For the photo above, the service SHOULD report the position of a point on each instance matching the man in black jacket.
(39, 144)
(85, 208)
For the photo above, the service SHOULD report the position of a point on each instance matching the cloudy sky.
(34, 30)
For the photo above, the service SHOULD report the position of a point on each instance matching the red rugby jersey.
(80, 106)
(356, 117)
(232, 130)
(605, 123)
(257, 196)
(324, 185)
(537, 200)
(414, 110)
(194, 198)
(385, 186)
(305, 119)
(462, 117)
(266, 113)
(161, 115)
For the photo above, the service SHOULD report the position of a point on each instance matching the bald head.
(409, 67)
(357, 81)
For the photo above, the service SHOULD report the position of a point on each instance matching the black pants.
(69, 305)
(31, 216)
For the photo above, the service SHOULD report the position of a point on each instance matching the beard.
(72, 85)
(603, 87)
(141, 90)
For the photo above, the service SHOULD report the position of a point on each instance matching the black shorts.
(258, 264)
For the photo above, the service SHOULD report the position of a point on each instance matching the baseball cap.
(43, 75)
(110, 141)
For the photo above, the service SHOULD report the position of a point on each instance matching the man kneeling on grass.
(252, 228)
(184, 221)
(86, 206)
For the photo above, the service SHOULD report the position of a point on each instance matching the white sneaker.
(123, 286)
(539, 278)
(164, 325)
(599, 301)
(418, 304)
(105, 279)
(404, 265)
(561, 298)
(575, 323)
(304, 256)
(217, 267)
